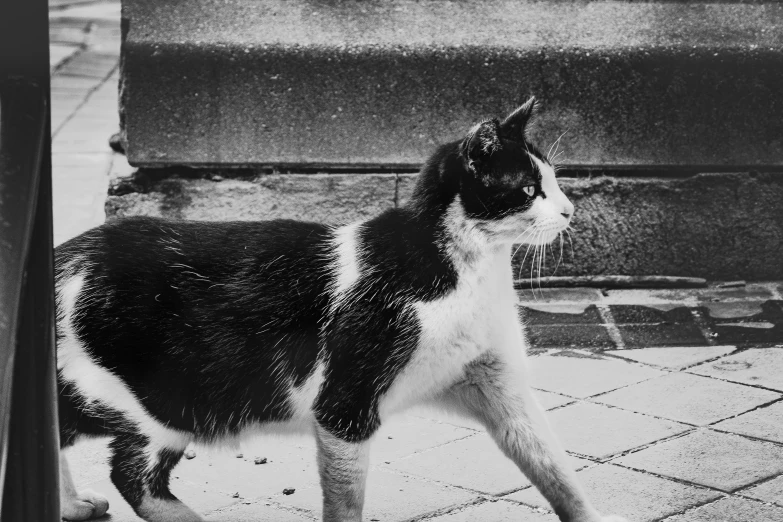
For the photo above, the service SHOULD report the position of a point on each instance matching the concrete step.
(295, 82)
(718, 226)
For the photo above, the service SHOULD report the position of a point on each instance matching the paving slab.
(582, 377)
(497, 511)
(763, 423)
(408, 434)
(650, 335)
(731, 509)
(674, 358)
(750, 333)
(639, 497)
(91, 125)
(560, 314)
(599, 432)
(104, 10)
(59, 53)
(288, 466)
(756, 367)
(558, 296)
(734, 310)
(549, 400)
(79, 185)
(769, 491)
(670, 298)
(475, 463)
(446, 417)
(565, 336)
(91, 64)
(389, 497)
(688, 398)
(256, 512)
(721, 461)
(633, 314)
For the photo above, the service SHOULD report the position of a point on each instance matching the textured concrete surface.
(292, 82)
(692, 399)
(597, 432)
(725, 462)
(769, 491)
(638, 496)
(85, 49)
(576, 376)
(675, 358)
(732, 510)
(764, 423)
(718, 226)
(330, 198)
(755, 367)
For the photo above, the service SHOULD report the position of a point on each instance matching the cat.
(172, 332)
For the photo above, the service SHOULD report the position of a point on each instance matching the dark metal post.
(29, 444)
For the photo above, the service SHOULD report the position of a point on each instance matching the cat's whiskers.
(533, 263)
(568, 231)
(529, 245)
(556, 145)
(560, 236)
(519, 237)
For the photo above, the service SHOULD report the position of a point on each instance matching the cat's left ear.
(481, 142)
(516, 123)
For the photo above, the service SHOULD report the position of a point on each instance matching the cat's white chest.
(479, 315)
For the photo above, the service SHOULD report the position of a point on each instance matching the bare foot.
(87, 504)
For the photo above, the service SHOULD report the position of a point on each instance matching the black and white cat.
(172, 332)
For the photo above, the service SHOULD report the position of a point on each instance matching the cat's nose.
(568, 210)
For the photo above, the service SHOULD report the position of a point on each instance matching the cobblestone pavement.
(667, 401)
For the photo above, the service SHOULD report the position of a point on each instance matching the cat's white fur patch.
(347, 264)
(477, 316)
(302, 398)
(555, 202)
(98, 385)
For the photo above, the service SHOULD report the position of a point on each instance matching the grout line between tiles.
(86, 99)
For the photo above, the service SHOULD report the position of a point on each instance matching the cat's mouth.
(540, 237)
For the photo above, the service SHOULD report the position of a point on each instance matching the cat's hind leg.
(140, 471)
(343, 469)
(75, 422)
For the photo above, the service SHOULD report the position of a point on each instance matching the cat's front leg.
(495, 393)
(343, 469)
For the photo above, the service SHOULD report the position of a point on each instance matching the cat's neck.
(435, 205)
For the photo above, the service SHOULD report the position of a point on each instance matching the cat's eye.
(529, 190)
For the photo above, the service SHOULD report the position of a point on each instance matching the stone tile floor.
(667, 401)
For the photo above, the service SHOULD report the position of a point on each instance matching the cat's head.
(507, 187)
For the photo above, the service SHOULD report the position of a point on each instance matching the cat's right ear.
(515, 124)
(480, 143)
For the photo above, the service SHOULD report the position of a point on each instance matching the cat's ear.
(515, 123)
(480, 143)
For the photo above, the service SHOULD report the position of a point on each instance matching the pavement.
(669, 402)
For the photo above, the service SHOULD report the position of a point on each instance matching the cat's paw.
(85, 506)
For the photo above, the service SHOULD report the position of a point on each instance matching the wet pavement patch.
(643, 314)
(648, 335)
(571, 336)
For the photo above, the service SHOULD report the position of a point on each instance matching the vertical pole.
(29, 442)
(32, 462)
